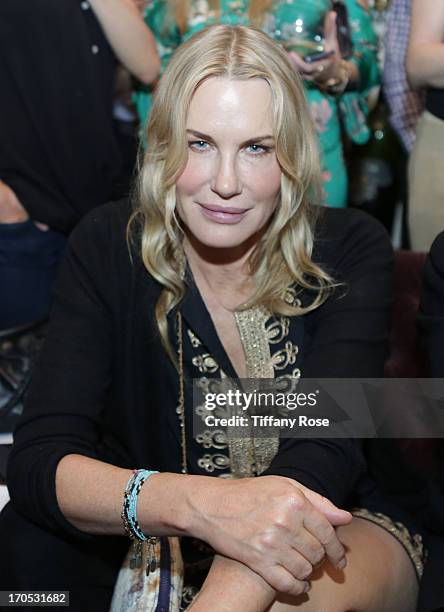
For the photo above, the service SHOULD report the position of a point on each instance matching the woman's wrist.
(180, 504)
(163, 507)
(231, 586)
(202, 502)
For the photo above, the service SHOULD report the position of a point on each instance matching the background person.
(58, 153)
(431, 319)
(425, 68)
(405, 103)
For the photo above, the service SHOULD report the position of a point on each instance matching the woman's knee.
(379, 576)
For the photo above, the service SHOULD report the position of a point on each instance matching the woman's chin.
(219, 249)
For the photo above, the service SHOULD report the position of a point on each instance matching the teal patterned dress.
(331, 114)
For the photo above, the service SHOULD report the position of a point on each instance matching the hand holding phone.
(316, 57)
(321, 66)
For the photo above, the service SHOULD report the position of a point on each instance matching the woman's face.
(230, 185)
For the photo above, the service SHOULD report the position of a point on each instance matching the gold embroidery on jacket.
(194, 339)
(211, 463)
(285, 357)
(205, 363)
(250, 454)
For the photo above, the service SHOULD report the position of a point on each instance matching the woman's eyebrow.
(207, 137)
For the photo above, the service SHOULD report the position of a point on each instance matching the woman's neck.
(221, 275)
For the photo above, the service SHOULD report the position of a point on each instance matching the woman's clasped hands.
(277, 527)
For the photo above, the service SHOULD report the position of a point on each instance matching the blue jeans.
(29, 258)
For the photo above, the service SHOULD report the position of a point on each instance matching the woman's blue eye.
(203, 145)
(199, 145)
(258, 149)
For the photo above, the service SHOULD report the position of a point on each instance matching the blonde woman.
(228, 274)
(337, 86)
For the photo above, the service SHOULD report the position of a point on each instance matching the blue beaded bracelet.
(130, 522)
(129, 510)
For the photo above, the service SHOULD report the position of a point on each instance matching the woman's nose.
(226, 181)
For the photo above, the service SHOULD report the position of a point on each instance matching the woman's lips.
(223, 214)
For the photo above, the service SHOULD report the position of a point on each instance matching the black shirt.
(57, 147)
(104, 376)
(104, 387)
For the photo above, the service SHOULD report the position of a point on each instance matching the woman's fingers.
(299, 538)
(282, 581)
(319, 70)
(309, 547)
(325, 534)
(267, 523)
(336, 516)
(319, 516)
(305, 68)
(331, 32)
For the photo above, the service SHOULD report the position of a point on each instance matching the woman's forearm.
(129, 36)
(231, 586)
(253, 520)
(90, 495)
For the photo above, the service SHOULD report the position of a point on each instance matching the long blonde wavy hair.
(282, 257)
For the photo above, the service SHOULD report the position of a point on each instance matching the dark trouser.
(29, 258)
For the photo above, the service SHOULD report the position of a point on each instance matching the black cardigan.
(103, 388)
